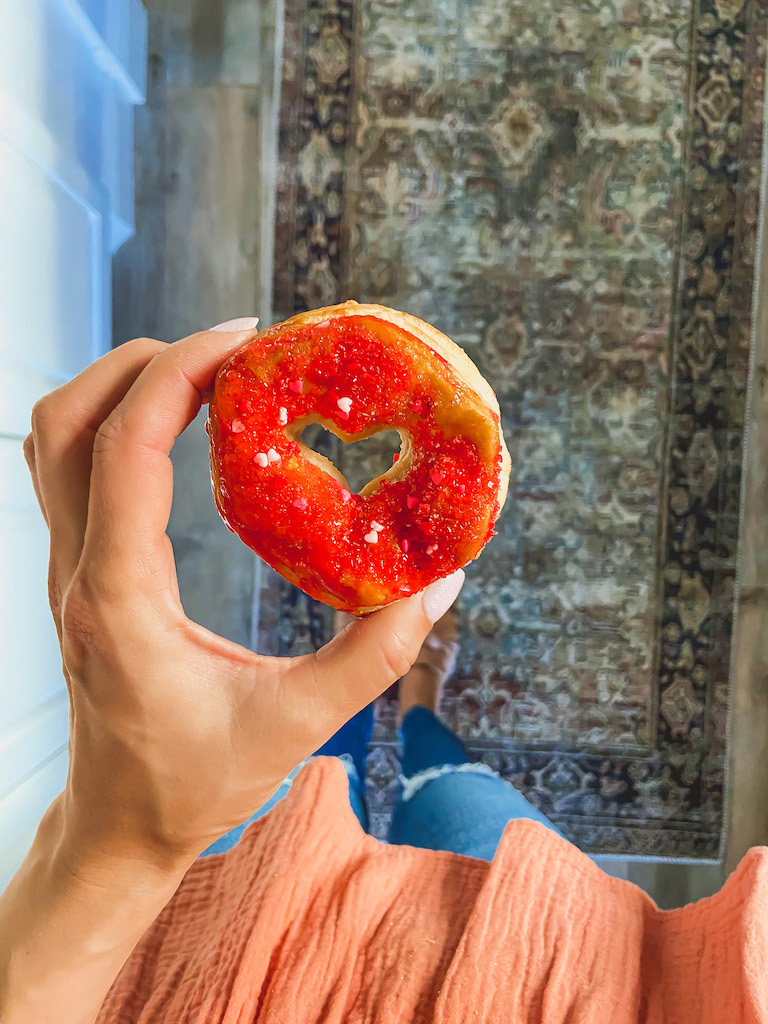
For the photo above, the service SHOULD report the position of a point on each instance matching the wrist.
(94, 850)
(69, 919)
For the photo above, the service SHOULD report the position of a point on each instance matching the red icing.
(298, 517)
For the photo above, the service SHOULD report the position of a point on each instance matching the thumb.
(371, 653)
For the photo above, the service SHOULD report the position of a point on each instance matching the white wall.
(70, 73)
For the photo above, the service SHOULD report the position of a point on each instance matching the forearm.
(65, 934)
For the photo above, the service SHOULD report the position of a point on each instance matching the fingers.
(372, 653)
(58, 451)
(131, 479)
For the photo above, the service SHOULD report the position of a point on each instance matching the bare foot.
(423, 683)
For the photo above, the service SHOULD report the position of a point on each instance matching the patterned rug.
(571, 193)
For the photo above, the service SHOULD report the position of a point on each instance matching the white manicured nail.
(242, 323)
(440, 595)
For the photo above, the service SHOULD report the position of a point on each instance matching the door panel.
(70, 74)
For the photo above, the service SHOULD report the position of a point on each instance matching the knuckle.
(54, 591)
(44, 414)
(146, 348)
(397, 655)
(111, 433)
(91, 610)
(78, 625)
(28, 448)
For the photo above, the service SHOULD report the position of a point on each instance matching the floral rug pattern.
(571, 193)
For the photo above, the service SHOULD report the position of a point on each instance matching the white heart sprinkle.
(282, 418)
(372, 537)
(376, 526)
(262, 460)
(273, 456)
(345, 404)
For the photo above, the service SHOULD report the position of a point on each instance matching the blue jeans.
(446, 802)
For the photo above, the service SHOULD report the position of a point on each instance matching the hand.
(176, 735)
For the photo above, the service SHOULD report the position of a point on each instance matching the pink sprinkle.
(345, 404)
(296, 385)
(431, 549)
(376, 526)
(438, 477)
(282, 418)
(246, 405)
(411, 501)
(404, 545)
(300, 504)
(237, 426)
(395, 457)
(273, 456)
(345, 495)
(461, 488)
(418, 407)
(262, 460)
(372, 537)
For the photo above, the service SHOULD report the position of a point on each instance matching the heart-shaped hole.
(359, 462)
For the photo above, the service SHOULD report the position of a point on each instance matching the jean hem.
(414, 784)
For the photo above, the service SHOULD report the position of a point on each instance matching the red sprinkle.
(411, 501)
(418, 407)
(345, 495)
(296, 385)
(300, 504)
(404, 545)
(438, 477)
(461, 488)
(395, 457)
(246, 405)
(237, 426)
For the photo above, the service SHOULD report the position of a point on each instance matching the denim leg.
(448, 803)
(427, 742)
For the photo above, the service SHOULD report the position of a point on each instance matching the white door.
(70, 73)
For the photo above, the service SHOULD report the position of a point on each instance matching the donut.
(357, 369)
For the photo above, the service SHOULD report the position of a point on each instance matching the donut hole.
(357, 461)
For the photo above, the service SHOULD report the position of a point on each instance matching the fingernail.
(440, 595)
(242, 323)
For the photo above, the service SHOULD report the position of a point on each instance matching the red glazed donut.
(357, 369)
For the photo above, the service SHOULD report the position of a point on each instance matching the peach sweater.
(309, 920)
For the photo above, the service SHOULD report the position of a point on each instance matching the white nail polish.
(440, 595)
(242, 323)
